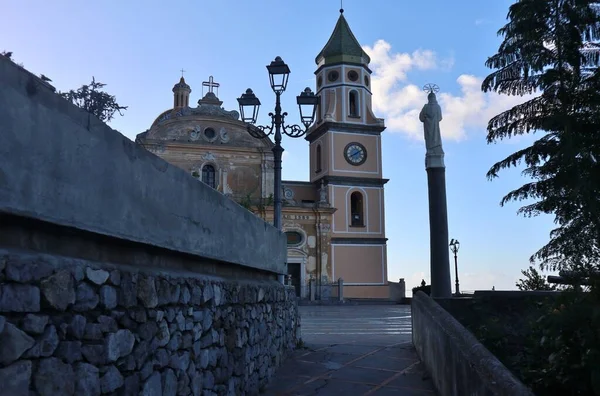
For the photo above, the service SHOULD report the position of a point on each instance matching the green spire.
(342, 46)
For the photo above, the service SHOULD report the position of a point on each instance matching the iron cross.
(210, 84)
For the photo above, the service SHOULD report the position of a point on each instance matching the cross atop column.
(210, 84)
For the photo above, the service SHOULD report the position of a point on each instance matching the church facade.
(335, 222)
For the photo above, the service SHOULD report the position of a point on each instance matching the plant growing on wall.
(246, 202)
(263, 204)
(257, 206)
(91, 99)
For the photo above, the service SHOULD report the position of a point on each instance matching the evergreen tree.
(550, 47)
(533, 280)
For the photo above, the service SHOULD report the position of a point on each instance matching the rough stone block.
(69, 351)
(54, 377)
(108, 297)
(119, 344)
(111, 380)
(19, 298)
(153, 386)
(59, 290)
(146, 291)
(34, 324)
(96, 276)
(87, 299)
(14, 344)
(27, 269)
(88, 380)
(46, 345)
(15, 379)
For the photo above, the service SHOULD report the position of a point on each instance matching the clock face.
(355, 153)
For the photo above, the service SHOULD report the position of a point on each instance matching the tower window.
(356, 209)
(353, 99)
(208, 175)
(333, 75)
(318, 155)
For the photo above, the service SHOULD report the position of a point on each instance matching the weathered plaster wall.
(61, 165)
(76, 327)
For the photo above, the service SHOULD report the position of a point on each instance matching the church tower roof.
(342, 46)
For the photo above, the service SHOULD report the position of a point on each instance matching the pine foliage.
(551, 49)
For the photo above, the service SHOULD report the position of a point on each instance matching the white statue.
(430, 116)
(322, 193)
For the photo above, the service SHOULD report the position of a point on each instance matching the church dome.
(181, 85)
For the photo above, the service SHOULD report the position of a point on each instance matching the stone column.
(430, 116)
(438, 227)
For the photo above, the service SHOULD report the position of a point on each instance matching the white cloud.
(399, 101)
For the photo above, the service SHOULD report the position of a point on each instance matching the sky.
(138, 47)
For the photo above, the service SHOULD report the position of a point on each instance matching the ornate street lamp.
(249, 104)
(454, 246)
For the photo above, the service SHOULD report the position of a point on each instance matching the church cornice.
(199, 146)
(338, 64)
(297, 183)
(353, 181)
(358, 241)
(359, 129)
(349, 85)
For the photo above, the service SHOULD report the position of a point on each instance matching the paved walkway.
(353, 350)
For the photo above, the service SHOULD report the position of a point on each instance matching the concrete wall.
(458, 363)
(63, 166)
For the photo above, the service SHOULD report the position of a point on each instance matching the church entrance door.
(294, 271)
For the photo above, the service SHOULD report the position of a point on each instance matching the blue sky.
(138, 47)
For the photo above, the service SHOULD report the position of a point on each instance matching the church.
(335, 222)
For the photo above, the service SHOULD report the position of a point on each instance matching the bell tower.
(181, 94)
(345, 154)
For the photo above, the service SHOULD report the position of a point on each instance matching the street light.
(249, 104)
(454, 246)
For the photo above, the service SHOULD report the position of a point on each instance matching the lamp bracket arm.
(260, 131)
(294, 131)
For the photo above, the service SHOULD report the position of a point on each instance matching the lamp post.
(454, 246)
(249, 105)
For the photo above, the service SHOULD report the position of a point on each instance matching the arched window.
(208, 175)
(356, 210)
(353, 99)
(318, 159)
(294, 238)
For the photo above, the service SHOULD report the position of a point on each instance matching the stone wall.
(458, 363)
(121, 274)
(75, 327)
